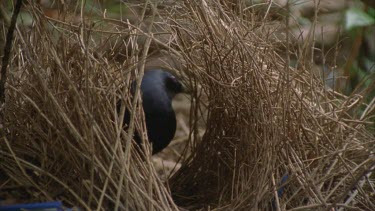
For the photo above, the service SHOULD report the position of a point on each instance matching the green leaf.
(355, 17)
(371, 12)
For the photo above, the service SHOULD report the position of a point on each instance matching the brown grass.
(264, 119)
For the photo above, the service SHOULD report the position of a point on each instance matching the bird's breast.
(161, 128)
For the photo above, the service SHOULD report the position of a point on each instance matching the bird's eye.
(173, 84)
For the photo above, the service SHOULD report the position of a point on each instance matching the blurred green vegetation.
(359, 24)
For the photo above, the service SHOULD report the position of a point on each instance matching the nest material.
(267, 120)
(264, 120)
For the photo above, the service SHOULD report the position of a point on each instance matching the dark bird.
(158, 88)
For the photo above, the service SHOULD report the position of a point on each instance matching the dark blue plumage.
(158, 88)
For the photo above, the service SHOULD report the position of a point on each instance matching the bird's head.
(173, 85)
(158, 89)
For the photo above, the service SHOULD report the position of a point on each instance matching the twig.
(7, 49)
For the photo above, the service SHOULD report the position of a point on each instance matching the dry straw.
(264, 119)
